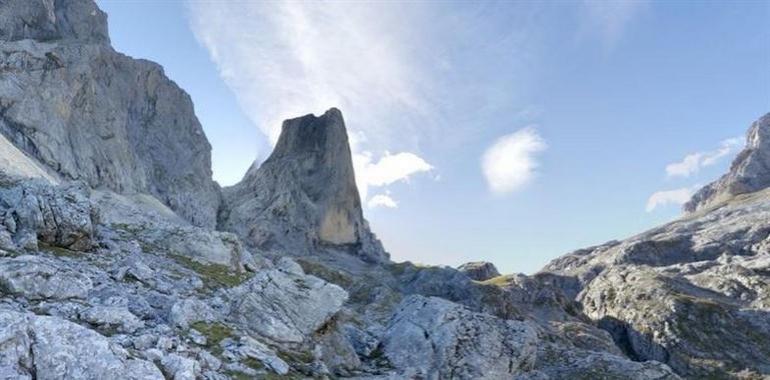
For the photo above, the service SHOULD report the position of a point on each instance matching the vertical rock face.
(749, 172)
(304, 197)
(69, 101)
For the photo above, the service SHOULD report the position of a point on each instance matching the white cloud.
(510, 162)
(388, 169)
(693, 163)
(669, 197)
(382, 200)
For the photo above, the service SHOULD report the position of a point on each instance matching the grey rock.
(158, 230)
(62, 216)
(53, 20)
(178, 367)
(52, 348)
(252, 348)
(112, 318)
(285, 307)
(441, 339)
(479, 270)
(303, 198)
(188, 310)
(36, 278)
(750, 171)
(72, 103)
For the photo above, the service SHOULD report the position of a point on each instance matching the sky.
(510, 132)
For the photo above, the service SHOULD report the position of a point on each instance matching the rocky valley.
(121, 258)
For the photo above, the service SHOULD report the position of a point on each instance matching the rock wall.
(69, 101)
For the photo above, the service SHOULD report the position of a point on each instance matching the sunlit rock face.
(303, 198)
(87, 112)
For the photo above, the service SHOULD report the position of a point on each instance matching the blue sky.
(512, 132)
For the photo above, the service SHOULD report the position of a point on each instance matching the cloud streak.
(693, 163)
(663, 198)
(510, 162)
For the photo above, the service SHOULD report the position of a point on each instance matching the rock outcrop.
(303, 199)
(479, 270)
(750, 171)
(86, 112)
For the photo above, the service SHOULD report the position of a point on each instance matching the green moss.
(213, 275)
(59, 251)
(253, 363)
(499, 281)
(326, 273)
(215, 333)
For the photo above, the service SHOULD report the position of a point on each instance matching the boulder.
(479, 270)
(285, 307)
(33, 211)
(37, 278)
(434, 338)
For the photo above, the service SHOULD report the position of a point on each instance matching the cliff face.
(749, 172)
(86, 112)
(303, 198)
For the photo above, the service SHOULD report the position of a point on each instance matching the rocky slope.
(694, 293)
(110, 265)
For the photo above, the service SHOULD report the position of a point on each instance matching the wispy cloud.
(676, 197)
(693, 163)
(289, 58)
(511, 161)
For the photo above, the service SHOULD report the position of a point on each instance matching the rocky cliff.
(303, 199)
(110, 266)
(86, 112)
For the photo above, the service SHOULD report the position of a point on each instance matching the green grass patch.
(215, 333)
(213, 275)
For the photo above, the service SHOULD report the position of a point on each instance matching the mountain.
(121, 258)
(303, 199)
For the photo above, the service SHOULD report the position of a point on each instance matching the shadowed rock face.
(303, 198)
(749, 172)
(86, 112)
